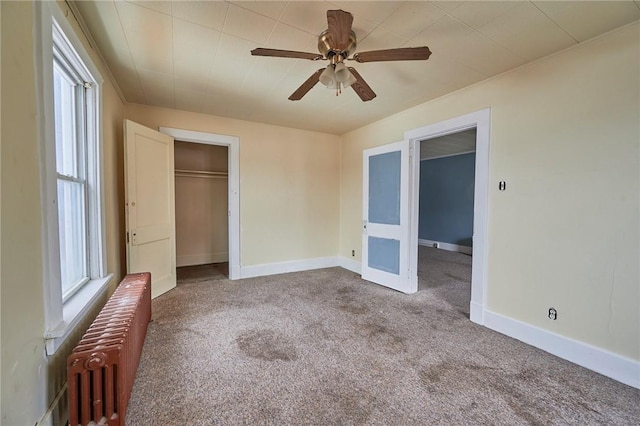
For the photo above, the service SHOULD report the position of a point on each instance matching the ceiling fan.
(335, 45)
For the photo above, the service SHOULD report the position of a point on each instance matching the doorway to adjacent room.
(445, 217)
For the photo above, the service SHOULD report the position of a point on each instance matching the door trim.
(481, 120)
(233, 143)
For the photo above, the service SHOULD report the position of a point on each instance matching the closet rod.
(201, 174)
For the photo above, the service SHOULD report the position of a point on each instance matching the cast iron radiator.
(102, 367)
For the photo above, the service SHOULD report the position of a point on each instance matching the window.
(74, 264)
(71, 139)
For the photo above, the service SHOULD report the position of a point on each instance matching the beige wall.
(289, 184)
(565, 136)
(22, 343)
(30, 380)
(113, 173)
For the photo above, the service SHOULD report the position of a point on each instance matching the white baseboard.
(476, 313)
(202, 259)
(446, 246)
(300, 265)
(601, 361)
(285, 267)
(350, 264)
(57, 413)
(234, 272)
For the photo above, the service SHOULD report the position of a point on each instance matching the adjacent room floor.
(447, 275)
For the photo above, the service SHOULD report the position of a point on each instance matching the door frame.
(233, 144)
(481, 120)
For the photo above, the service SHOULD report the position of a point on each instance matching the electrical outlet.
(553, 314)
(436, 245)
(353, 253)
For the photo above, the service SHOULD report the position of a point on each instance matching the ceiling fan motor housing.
(328, 51)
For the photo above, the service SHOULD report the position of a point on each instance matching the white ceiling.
(195, 55)
(444, 146)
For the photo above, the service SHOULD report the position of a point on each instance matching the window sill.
(74, 311)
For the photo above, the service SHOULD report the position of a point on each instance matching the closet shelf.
(201, 174)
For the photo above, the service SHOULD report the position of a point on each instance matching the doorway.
(445, 216)
(232, 145)
(202, 222)
(481, 121)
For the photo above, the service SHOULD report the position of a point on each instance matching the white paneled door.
(150, 205)
(385, 225)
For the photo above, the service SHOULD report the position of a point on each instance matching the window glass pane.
(64, 90)
(72, 224)
(384, 188)
(384, 254)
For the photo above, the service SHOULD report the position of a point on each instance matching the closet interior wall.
(202, 230)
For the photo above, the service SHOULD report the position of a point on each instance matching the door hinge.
(131, 239)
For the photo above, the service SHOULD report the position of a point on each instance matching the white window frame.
(83, 91)
(62, 317)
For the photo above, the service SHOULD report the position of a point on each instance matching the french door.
(385, 224)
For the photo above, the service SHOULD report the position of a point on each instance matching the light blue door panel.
(384, 188)
(384, 254)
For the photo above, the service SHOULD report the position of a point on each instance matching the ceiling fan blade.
(401, 54)
(339, 28)
(261, 51)
(361, 87)
(306, 86)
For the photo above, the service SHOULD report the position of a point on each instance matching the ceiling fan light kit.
(335, 45)
(337, 77)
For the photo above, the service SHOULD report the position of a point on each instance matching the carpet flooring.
(324, 347)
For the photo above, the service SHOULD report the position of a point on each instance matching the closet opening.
(202, 211)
